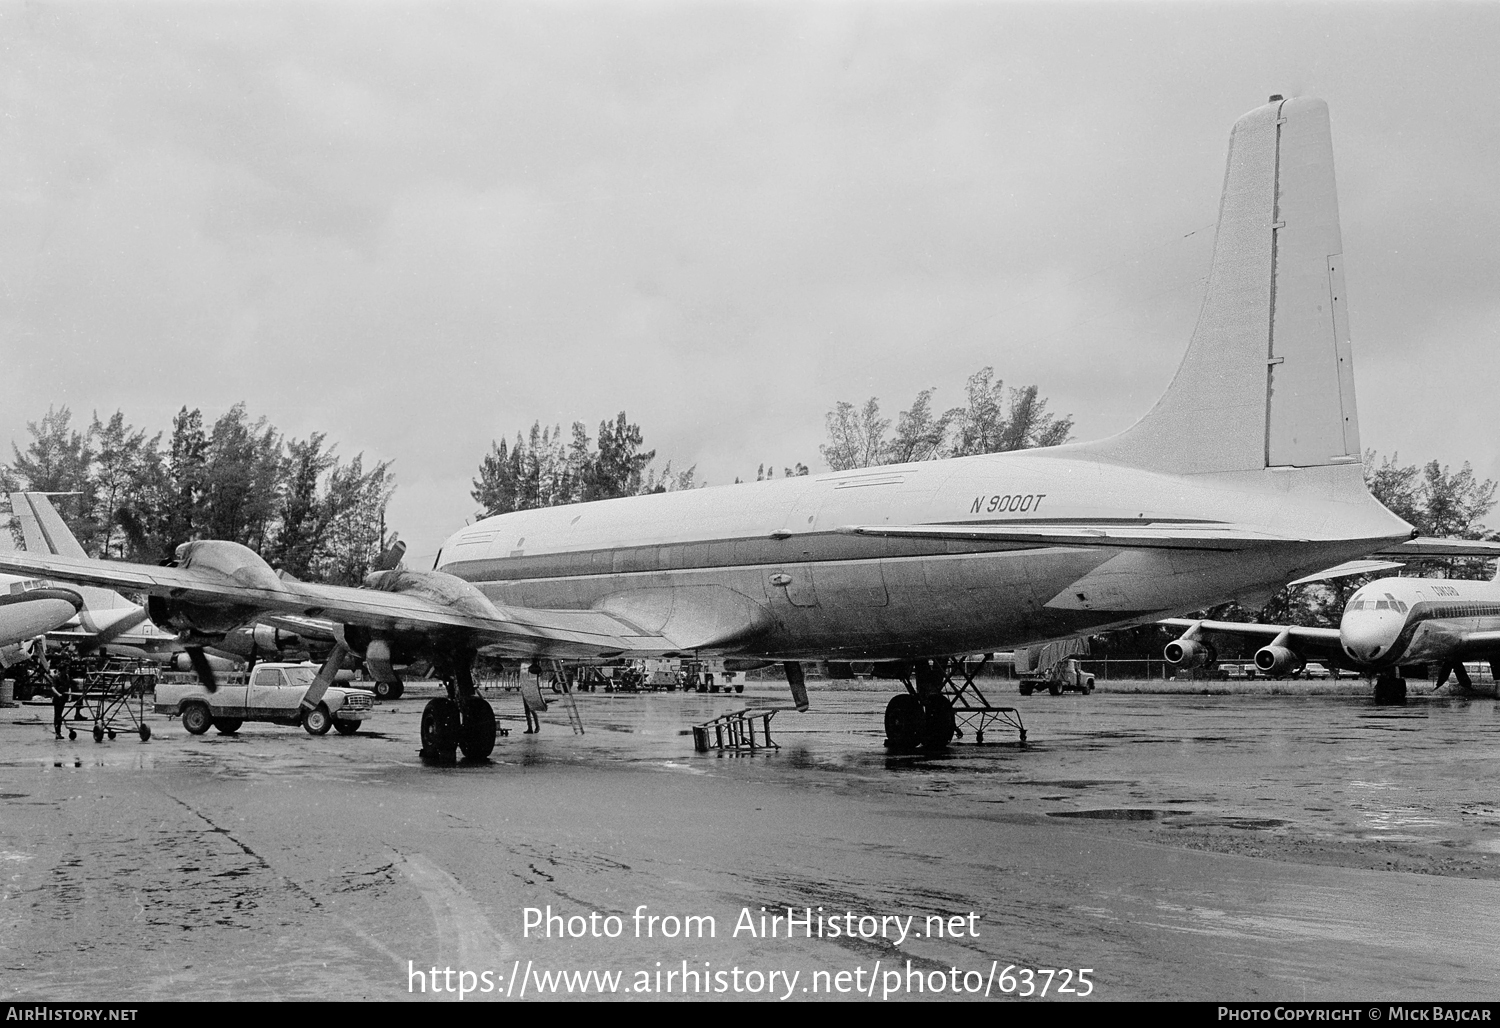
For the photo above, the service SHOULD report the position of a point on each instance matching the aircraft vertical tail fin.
(1268, 379)
(44, 531)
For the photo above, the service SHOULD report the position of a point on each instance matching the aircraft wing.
(1198, 536)
(524, 631)
(1322, 637)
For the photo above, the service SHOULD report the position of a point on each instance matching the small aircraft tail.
(1268, 379)
(44, 531)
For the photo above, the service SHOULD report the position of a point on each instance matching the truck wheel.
(317, 721)
(1054, 689)
(228, 725)
(345, 727)
(196, 718)
(1089, 685)
(1025, 688)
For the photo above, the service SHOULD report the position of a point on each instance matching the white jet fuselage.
(702, 564)
(1418, 621)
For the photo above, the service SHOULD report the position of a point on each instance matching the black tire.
(904, 721)
(476, 736)
(317, 721)
(389, 690)
(98, 734)
(228, 725)
(440, 730)
(1025, 688)
(196, 718)
(145, 732)
(344, 726)
(939, 725)
(1054, 689)
(739, 686)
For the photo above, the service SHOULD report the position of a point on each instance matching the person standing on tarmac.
(58, 684)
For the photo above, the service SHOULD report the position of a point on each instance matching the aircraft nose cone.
(1364, 640)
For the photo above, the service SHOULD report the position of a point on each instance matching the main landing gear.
(941, 694)
(461, 721)
(922, 717)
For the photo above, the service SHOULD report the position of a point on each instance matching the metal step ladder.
(737, 731)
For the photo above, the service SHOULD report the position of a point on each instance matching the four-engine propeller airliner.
(1245, 475)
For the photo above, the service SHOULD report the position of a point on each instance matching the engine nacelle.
(270, 639)
(181, 662)
(1276, 660)
(235, 564)
(1189, 653)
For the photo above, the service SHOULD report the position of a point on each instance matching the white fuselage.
(1416, 620)
(777, 550)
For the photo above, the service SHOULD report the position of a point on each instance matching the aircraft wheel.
(1390, 691)
(145, 731)
(389, 690)
(72, 735)
(939, 726)
(476, 736)
(98, 734)
(317, 721)
(1025, 688)
(111, 736)
(196, 719)
(903, 722)
(344, 727)
(228, 725)
(440, 729)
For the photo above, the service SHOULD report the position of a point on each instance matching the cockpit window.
(1382, 605)
(1356, 605)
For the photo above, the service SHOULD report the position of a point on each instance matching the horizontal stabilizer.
(1430, 546)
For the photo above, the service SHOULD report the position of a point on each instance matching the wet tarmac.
(1225, 847)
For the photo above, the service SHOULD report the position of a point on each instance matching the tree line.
(294, 501)
(540, 469)
(993, 419)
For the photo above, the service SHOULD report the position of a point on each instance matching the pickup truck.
(272, 693)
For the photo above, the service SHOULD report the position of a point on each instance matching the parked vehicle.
(1067, 675)
(273, 692)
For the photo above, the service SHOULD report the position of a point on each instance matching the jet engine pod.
(1276, 660)
(1189, 653)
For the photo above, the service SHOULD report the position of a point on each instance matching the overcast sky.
(419, 228)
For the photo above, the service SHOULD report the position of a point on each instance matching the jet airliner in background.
(1389, 625)
(1245, 475)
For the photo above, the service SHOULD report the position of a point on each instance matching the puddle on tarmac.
(1118, 814)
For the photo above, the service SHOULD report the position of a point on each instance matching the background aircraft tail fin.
(1268, 379)
(44, 531)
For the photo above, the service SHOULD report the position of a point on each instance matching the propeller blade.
(325, 677)
(202, 668)
(391, 558)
